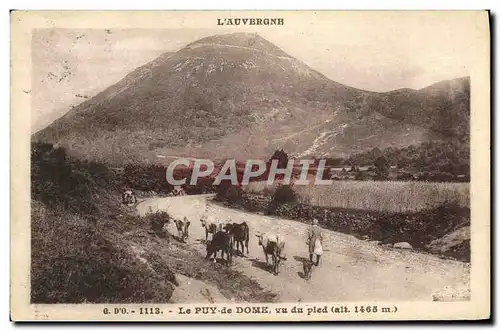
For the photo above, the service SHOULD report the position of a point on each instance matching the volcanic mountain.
(238, 95)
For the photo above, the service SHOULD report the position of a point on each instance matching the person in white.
(315, 241)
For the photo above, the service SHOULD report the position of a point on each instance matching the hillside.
(240, 96)
(442, 107)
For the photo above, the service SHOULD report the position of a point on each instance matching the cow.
(241, 234)
(274, 245)
(183, 228)
(211, 226)
(221, 241)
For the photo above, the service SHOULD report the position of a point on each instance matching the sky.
(362, 51)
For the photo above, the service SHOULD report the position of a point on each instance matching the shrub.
(60, 181)
(203, 186)
(231, 194)
(283, 195)
(147, 178)
(157, 219)
(360, 175)
(381, 167)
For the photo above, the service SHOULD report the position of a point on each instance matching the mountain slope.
(400, 118)
(442, 107)
(234, 95)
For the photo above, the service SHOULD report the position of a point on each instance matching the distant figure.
(128, 197)
(315, 241)
(178, 191)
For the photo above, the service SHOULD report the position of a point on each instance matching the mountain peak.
(237, 96)
(251, 41)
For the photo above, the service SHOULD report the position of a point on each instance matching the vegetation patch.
(76, 262)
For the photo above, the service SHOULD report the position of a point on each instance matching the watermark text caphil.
(253, 169)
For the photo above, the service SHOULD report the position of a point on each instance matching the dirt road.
(351, 269)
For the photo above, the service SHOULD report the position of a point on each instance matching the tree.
(282, 158)
(229, 193)
(334, 162)
(381, 167)
(284, 194)
(360, 175)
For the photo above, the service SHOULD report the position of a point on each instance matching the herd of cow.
(225, 236)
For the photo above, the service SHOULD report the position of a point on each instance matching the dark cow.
(221, 241)
(274, 245)
(241, 234)
(183, 228)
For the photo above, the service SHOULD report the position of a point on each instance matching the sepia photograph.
(234, 165)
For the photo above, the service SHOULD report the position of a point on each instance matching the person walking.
(315, 241)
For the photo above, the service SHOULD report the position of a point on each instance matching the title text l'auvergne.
(250, 21)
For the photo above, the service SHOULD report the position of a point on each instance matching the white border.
(147, 4)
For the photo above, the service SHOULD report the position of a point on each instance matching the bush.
(231, 194)
(283, 195)
(440, 177)
(404, 176)
(157, 219)
(203, 186)
(63, 182)
(360, 175)
(147, 178)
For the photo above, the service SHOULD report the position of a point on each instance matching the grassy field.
(390, 196)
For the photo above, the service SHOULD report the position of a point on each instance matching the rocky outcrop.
(456, 243)
(403, 245)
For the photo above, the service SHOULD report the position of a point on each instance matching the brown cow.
(241, 234)
(274, 245)
(211, 226)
